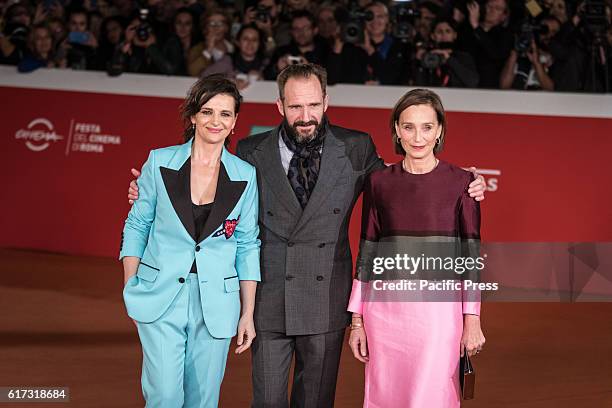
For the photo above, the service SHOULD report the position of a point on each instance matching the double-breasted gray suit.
(306, 266)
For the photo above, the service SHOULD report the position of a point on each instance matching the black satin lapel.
(227, 195)
(178, 187)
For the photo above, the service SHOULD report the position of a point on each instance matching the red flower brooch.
(228, 228)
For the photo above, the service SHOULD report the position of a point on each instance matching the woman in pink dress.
(411, 339)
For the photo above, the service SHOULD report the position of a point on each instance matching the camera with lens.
(17, 34)
(528, 31)
(432, 60)
(143, 30)
(403, 13)
(352, 22)
(262, 13)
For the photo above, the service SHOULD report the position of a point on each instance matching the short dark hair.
(441, 20)
(186, 10)
(195, 23)
(304, 14)
(418, 97)
(304, 71)
(201, 92)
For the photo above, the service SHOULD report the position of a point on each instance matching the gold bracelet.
(356, 326)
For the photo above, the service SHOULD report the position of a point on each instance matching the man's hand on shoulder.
(477, 187)
(133, 190)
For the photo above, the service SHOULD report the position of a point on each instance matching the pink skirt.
(414, 350)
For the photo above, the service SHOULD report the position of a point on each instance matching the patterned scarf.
(305, 163)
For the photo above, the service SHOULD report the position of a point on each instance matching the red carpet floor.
(62, 323)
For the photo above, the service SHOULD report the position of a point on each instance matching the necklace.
(408, 171)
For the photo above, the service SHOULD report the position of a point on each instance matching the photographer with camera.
(388, 57)
(488, 41)
(265, 15)
(530, 62)
(347, 61)
(441, 64)
(304, 48)
(13, 37)
(139, 51)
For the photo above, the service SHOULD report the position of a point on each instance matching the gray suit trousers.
(317, 357)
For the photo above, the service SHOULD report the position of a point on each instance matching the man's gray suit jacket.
(306, 262)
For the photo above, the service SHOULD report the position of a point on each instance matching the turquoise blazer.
(160, 230)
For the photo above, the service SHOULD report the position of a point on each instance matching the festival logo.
(38, 135)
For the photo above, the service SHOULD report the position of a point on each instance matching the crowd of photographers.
(562, 45)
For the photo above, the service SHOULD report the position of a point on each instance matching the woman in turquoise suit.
(191, 255)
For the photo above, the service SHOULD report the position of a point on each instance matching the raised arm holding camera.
(530, 61)
(441, 63)
(264, 14)
(139, 52)
(14, 34)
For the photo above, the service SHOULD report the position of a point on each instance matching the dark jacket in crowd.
(17, 35)
(81, 57)
(349, 67)
(13, 58)
(31, 63)
(171, 60)
(490, 50)
(243, 66)
(390, 63)
(141, 60)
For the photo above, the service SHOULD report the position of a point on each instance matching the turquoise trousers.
(183, 365)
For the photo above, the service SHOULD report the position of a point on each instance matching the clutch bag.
(467, 377)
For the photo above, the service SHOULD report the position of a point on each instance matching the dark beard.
(293, 133)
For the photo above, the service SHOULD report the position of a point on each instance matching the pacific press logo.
(38, 135)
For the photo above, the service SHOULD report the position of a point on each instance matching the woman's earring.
(438, 141)
(193, 126)
(233, 131)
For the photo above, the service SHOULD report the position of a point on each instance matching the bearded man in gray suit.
(310, 174)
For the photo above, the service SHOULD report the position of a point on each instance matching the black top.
(200, 215)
